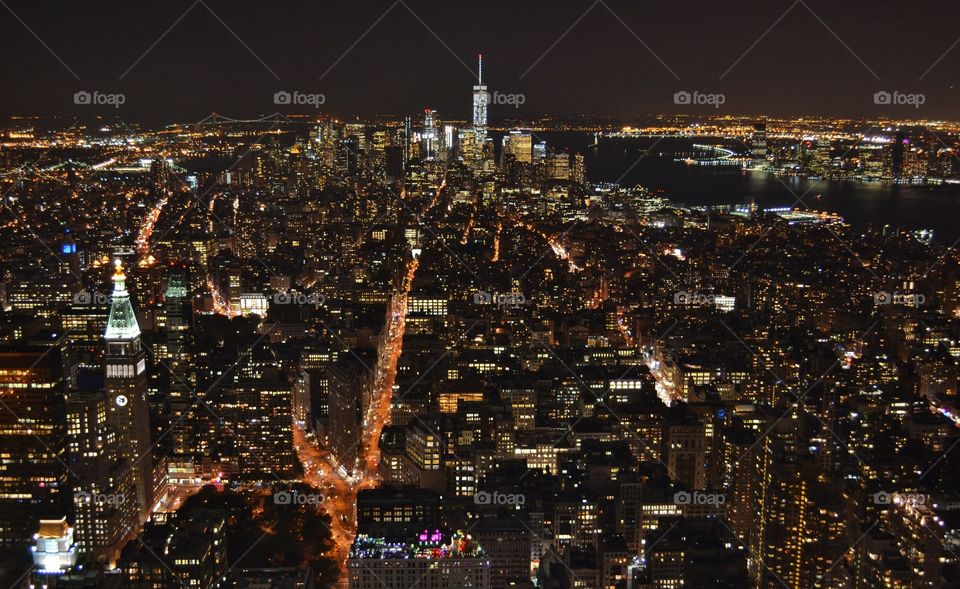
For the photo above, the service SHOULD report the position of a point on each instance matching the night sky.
(172, 61)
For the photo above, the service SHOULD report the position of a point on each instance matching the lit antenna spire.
(480, 70)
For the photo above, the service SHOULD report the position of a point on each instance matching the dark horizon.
(187, 59)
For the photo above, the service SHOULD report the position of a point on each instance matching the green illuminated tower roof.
(176, 287)
(122, 323)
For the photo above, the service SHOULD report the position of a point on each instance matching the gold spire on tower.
(119, 278)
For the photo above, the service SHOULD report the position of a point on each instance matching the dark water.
(860, 204)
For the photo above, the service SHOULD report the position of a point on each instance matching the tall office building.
(779, 533)
(758, 146)
(160, 177)
(473, 142)
(431, 135)
(258, 419)
(519, 144)
(449, 141)
(172, 352)
(407, 134)
(540, 152)
(897, 151)
(480, 102)
(33, 445)
(82, 325)
(557, 166)
(578, 170)
(126, 386)
(347, 380)
(394, 162)
(685, 450)
(104, 509)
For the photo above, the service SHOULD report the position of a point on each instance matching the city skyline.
(475, 343)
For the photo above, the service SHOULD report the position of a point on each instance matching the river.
(860, 204)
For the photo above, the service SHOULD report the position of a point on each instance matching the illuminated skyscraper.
(33, 444)
(160, 176)
(431, 135)
(348, 380)
(480, 101)
(172, 352)
(449, 141)
(557, 165)
(256, 419)
(758, 147)
(82, 325)
(103, 494)
(407, 134)
(126, 386)
(519, 143)
(779, 534)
